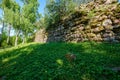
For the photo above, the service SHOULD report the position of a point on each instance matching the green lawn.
(37, 61)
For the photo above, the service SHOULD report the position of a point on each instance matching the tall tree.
(21, 18)
(29, 17)
(11, 17)
(5, 4)
(16, 21)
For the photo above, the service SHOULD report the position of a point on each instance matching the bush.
(4, 44)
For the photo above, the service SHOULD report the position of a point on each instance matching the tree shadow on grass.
(39, 61)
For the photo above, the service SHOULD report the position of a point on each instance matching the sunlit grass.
(36, 61)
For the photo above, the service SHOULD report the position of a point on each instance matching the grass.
(47, 61)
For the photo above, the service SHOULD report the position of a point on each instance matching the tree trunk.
(2, 26)
(2, 31)
(24, 40)
(8, 38)
(16, 39)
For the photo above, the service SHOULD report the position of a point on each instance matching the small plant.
(91, 14)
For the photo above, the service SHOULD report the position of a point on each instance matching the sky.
(42, 6)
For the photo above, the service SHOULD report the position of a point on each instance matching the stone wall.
(95, 21)
(40, 36)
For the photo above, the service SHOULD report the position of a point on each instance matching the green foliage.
(4, 44)
(56, 9)
(91, 14)
(3, 41)
(29, 16)
(12, 40)
(47, 61)
(31, 38)
(6, 3)
(21, 18)
(81, 1)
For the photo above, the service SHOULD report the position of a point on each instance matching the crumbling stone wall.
(95, 21)
(40, 36)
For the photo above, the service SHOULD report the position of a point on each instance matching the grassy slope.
(47, 62)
